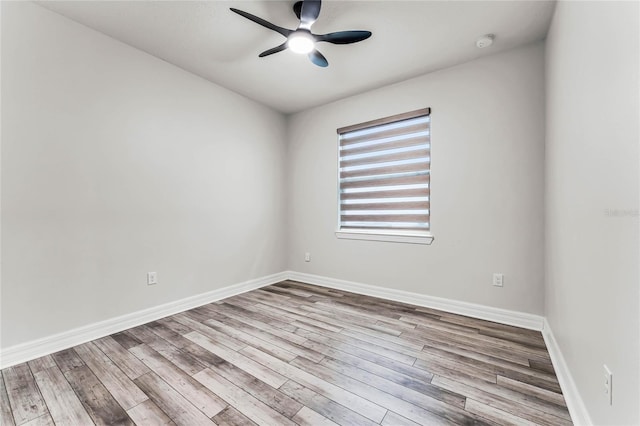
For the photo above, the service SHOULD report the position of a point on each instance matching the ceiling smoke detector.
(485, 41)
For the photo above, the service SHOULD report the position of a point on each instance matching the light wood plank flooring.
(294, 354)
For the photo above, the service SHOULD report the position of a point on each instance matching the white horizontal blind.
(384, 173)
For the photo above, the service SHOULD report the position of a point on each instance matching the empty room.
(320, 212)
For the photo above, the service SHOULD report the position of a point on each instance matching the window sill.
(394, 237)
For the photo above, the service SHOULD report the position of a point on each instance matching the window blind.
(384, 168)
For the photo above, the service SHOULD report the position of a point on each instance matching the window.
(384, 179)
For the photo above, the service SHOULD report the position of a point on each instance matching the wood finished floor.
(292, 354)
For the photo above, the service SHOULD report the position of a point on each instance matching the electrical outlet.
(152, 278)
(307, 257)
(608, 384)
(498, 280)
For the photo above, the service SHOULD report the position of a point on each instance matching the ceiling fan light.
(301, 43)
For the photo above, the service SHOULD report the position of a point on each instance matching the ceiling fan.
(302, 40)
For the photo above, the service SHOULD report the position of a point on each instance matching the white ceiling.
(409, 38)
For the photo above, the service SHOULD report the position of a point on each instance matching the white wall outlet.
(307, 257)
(498, 280)
(608, 384)
(152, 278)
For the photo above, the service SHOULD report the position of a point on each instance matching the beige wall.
(487, 185)
(592, 200)
(115, 163)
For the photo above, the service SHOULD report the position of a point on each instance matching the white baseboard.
(50, 344)
(503, 316)
(57, 342)
(47, 345)
(577, 409)
(575, 404)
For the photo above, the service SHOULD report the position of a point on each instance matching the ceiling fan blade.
(344, 37)
(297, 8)
(318, 58)
(284, 31)
(309, 13)
(273, 50)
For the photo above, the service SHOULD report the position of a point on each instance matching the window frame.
(383, 234)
